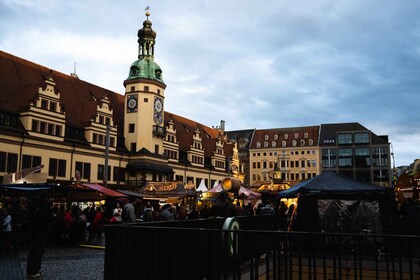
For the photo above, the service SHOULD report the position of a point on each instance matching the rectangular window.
(52, 169)
(297, 164)
(119, 174)
(100, 139)
(43, 127)
(2, 161)
(345, 152)
(12, 160)
(108, 121)
(58, 130)
(101, 119)
(133, 147)
(100, 175)
(35, 125)
(86, 171)
(345, 162)
(112, 141)
(131, 128)
(157, 149)
(329, 157)
(61, 168)
(26, 161)
(44, 104)
(344, 139)
(361, 138)
(146, 88)
(50, 129)
(302, 163)
(53, 106)
(95, 138)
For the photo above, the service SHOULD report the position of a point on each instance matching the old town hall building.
(70, 126)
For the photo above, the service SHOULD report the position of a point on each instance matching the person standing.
(7, 230)
(129, 212)
(223, 207)
(38, 219)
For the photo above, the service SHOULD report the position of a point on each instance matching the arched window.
(294, 143)
(266, 137)
(296, 136)
(265, 144)
(302, 142)
(311, 142)
(283, 143)
(258, 144)
(305, 135)
(273, 144)
(286, 136)
(276, 137)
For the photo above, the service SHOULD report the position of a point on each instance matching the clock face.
(158, 105)
(158, 111)
(132, 104)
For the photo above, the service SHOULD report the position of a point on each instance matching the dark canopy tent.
(332, 202)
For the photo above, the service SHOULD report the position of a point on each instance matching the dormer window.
(286, 136)
(44, 104)
(101, 119)
(283, 143)
(258, 144)
(311, 142)
(53, 106)
(276, 137)
(296, 136)
(265, 144)
(266, 137)
(294, 143)
(305, 135)
(302, 142)
(273, 144)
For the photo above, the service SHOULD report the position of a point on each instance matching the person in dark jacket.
(223, 207)
(39, 215)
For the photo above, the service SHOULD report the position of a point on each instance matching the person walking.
(39, 216)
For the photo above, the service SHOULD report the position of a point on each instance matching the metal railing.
(201, 249)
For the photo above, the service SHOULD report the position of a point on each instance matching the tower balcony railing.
(159, 131)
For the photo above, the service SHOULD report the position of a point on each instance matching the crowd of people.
(73, 225)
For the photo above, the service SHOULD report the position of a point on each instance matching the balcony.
(159, 131)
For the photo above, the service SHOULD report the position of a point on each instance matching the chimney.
(222, 125)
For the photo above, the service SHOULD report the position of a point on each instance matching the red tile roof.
(281, 133)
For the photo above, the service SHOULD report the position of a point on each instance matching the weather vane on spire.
(147, 9)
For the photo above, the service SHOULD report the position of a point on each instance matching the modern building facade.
(353, 150)
(80, 132)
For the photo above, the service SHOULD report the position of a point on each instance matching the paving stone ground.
(58, 263)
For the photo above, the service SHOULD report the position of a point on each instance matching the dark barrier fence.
(201, 249)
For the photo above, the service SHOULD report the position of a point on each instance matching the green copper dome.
(145, 68)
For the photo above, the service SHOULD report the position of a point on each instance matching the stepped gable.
(21, 80)
(185, 129)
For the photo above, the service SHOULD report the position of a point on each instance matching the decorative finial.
(147, 11)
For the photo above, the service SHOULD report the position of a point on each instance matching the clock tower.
(144, 97)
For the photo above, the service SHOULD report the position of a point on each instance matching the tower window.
(158, 91)
(146, 100)
(133, 88)
(133, 147)
(131, 128)
(146, 88)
